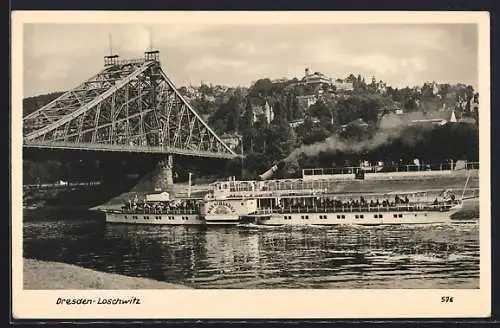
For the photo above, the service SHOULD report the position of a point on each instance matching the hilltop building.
(315, 78)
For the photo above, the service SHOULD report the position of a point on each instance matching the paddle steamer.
(289, 202)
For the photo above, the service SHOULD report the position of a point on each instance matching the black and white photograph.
(241, 154)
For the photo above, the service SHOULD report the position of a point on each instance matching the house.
(358, 122)
(210, 99)
(381, 87)
(315, 78)
(266, 111)
(296, 123)
(343, 86)
(474, 103)
(231, 140)
(205, 117)
(281, 80)
(435, 88)
(192, 92)
(437, 118)
(306, 101)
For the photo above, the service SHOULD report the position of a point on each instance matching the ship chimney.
(269, 173)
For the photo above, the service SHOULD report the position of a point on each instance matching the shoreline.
(42, 275)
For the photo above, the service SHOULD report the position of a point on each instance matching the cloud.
(237, 54)
(214, 63)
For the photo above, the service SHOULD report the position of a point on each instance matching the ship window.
(395, 215)
(361, 216)
(307, 217)
(338, 216)
(356, 216)
(380, 216)
(325, 217)
(125, 216)
(134, 217)
(343, 216)
(242, 203)
(400, 215)
(375, 216)
(284, 217)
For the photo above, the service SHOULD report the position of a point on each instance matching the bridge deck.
(125, 148)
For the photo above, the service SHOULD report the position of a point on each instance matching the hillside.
(332, 123)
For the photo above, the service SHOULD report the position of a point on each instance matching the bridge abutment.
(164, 179)
(160, 178)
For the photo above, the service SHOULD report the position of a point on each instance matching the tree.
(321, 111)
(262, 88)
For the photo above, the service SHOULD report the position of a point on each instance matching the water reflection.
(437, 256)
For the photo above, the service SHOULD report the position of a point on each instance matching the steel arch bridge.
(129, 106)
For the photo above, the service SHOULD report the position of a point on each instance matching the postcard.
(198, 165)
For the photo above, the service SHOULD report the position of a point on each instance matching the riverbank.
(39, 274)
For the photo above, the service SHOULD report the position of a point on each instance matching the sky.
(58, 57)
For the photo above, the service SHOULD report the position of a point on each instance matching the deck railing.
(387, 169)
(352, 209)
(160, 211)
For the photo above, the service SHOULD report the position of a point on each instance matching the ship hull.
(169, 219)
(353, 218)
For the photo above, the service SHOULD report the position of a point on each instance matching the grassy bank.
(53, 275)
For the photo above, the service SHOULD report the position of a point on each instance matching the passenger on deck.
(435, 202)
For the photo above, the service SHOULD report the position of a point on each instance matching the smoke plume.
(392, 126)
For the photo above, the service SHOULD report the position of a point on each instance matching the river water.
(432, 256)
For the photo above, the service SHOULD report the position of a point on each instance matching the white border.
(156, 304)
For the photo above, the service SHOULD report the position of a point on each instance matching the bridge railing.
(131, 61)
(124, 148)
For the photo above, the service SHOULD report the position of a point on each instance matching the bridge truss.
(129, 106)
